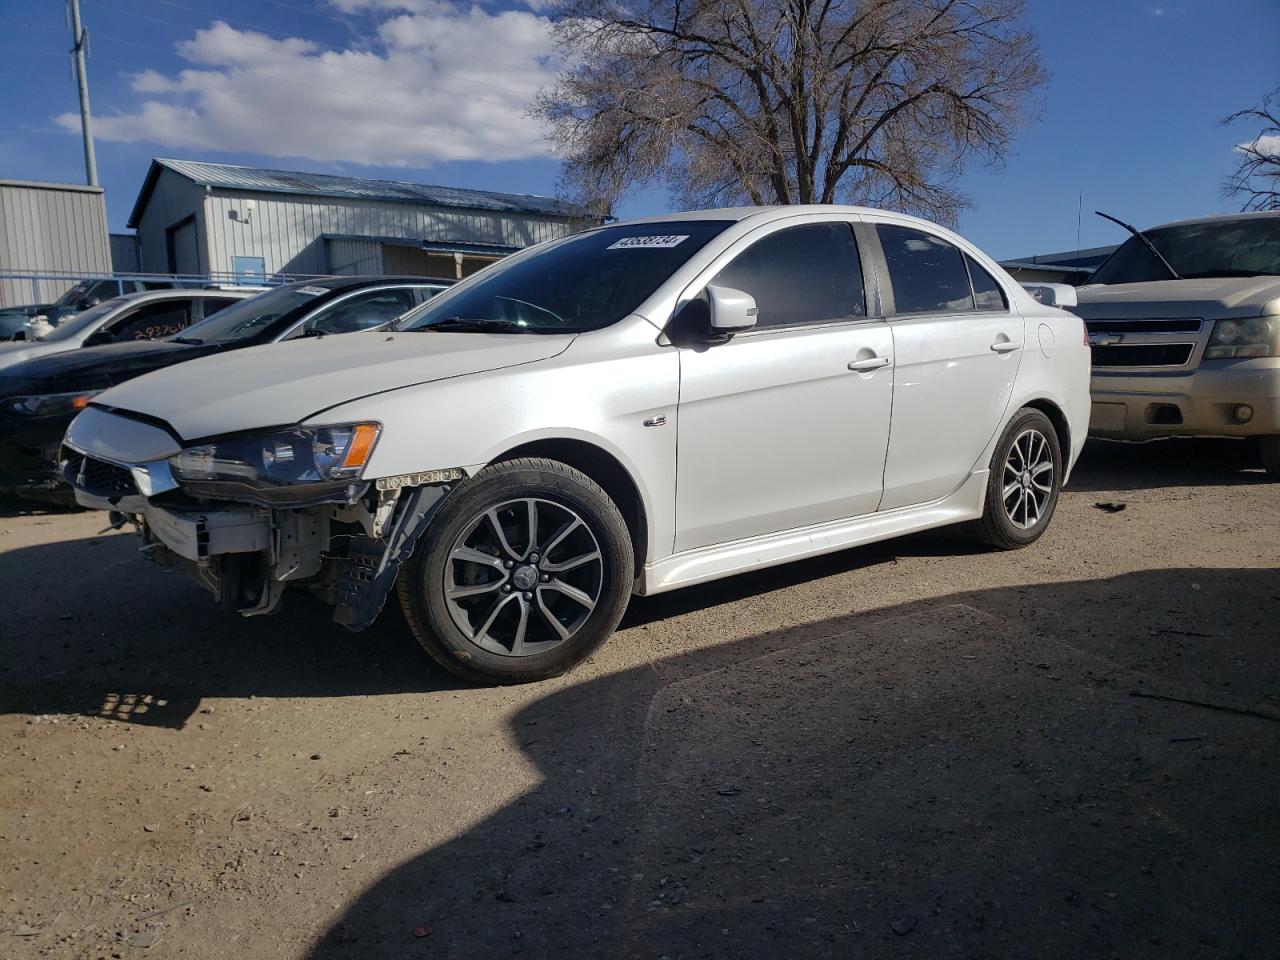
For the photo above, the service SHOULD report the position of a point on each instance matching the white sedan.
(644, 406)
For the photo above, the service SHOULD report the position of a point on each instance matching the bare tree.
(788, 101)
(1256, 177)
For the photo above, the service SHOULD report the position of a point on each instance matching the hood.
(1212, 298)
(15, 352)
(97, 368)
(283, 383)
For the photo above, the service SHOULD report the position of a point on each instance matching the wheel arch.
(1058, 417)
(605, 469)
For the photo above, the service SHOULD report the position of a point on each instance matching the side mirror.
(88, 302)
(98, 338)
(730, 310)
(1053, 294)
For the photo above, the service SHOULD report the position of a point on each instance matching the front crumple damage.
(248, 555)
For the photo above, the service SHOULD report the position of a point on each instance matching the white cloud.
(436, 82)
(1268, 145)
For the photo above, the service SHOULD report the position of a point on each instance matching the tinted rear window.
(928, 274)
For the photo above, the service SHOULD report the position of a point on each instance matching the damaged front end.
(250, 516)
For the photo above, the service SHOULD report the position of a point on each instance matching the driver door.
(786, 425)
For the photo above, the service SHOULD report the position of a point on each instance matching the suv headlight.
(47, 404)
(1254, 337)
(302, 455)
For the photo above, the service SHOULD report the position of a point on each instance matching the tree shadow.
(1179, 462)
(970, 775)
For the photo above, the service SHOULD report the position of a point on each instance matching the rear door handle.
(870, 363)
(1005, 346)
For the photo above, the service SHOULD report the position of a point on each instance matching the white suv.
(644, 406)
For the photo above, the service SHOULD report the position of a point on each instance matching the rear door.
(957, 346)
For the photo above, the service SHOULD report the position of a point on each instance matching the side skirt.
(742, 556)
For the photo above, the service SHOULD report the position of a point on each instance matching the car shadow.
(989, 773)
(92, 628)
(136, 644)
(1178, 462)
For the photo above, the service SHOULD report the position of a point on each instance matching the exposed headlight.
(1254, 337)
(302, 455)
(48, 404)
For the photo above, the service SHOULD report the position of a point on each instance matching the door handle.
(1005, 346)
(870, 363)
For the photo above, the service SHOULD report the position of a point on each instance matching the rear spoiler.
(1053, 294)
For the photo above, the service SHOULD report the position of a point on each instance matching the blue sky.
(430, 91)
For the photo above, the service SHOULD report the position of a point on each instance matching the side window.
(805, 274)
(986, 292)
(152, 321)
(423, 294)
(211, 305)
(928, 274)
(360, 312)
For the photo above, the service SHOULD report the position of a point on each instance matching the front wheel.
(1023, 486)
(525, 572)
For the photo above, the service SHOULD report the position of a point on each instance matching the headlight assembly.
(1254, 337)
(324, 456)
(47, 404)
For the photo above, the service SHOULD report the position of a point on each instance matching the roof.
(1047, 266)
(1218, 217)
(49, 185)
(226, 176)
(433, 246)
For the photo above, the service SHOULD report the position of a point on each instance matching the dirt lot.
(911, 750)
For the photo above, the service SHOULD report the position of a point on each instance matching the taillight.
(1084, 333)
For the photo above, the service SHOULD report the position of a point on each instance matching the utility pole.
(86, 119)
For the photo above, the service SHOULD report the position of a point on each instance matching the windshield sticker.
(661, 243)
(312, 291)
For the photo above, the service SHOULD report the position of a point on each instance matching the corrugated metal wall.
(287, 231)
(124, 253)
(175, 198)
(50, 228)
(354, 257)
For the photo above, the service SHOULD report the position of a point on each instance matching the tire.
(1022, 518)
(490, 606)
(1269, 451)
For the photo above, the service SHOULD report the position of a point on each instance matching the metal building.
(58, 228)
(249, 222)
(1069, 266)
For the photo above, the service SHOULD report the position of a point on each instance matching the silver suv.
(1184, 325)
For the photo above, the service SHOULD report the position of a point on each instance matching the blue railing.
(48, 286)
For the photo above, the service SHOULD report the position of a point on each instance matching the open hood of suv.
(284, 383)
(1210, 298)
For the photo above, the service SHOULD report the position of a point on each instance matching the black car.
(40, 397)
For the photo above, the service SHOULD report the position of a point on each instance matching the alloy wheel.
(1028, 479)
(523, 577)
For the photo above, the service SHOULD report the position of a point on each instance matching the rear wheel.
(1269, 449)
(526, 571)
(1023, 486)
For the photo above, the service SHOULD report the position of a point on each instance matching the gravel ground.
(917, 749)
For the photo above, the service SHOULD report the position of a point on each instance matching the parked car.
(508, 452)
(1184, 322)
(133, 317)
(17, 322)
(39, 397)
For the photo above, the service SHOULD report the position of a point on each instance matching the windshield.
(74, 295)
(585, 283)
(249, 318)
(83, 321)
(1247, 247)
